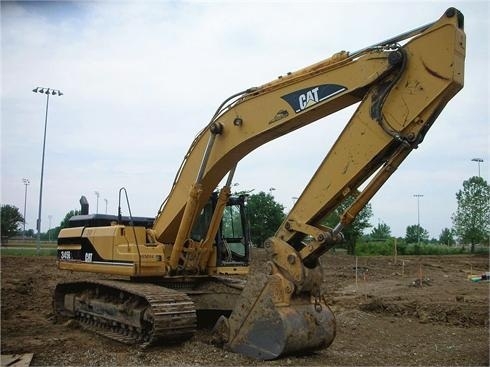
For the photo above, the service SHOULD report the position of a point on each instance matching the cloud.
(142, 78)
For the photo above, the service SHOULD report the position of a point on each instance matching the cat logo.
(303, 99)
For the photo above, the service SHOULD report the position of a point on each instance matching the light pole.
(418, 196)
(26, 183)
(478, 160)
(105, 205)
(97, 194)
(48, 92)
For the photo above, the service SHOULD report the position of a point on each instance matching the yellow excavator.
(164, 275)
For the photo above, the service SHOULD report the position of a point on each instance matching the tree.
(356, 228)
(416, 234)
(30, 233)
(53, 233)
(71, 213)
(10, 220)
(381, 232)
(472, 218)
(265, 216)
(446, 237)
(64, 224)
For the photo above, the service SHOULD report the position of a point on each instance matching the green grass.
(28, 247)
(13, 251)
(30, 243)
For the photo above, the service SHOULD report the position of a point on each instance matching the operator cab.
(233, 237)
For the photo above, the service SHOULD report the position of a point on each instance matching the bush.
(428, 249)
(386, 248)
(375, 248)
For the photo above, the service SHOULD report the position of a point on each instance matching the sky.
(141, 78)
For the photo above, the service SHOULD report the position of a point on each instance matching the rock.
(423, 317)
(73, 324)
(459, 298)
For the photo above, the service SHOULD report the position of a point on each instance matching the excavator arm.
(260, 115)
(402, 91)
(391, 121)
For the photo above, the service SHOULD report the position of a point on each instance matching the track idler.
(273, 318)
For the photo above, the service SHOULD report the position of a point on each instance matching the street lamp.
(105, 205)
(48, 92)
(97, 194)
(478, 160)
(26, 183)
(418, 196)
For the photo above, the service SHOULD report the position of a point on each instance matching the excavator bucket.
(269, 321)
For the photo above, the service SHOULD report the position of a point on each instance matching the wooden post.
(356, 273)
(395, 250)
(420, 274)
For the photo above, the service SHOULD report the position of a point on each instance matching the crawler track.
(130, 313)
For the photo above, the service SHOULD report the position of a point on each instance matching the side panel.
(110, 250)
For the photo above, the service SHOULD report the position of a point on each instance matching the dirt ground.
(383, 319)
